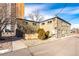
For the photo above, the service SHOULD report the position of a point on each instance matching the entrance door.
(19, 33)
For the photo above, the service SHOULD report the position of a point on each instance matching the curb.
(5, 51)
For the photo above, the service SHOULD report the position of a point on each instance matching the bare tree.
(36, 16)
(3, 20)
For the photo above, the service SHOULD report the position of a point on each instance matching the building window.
(7, 30)
(34, 23)
(26, 22)
(49, 21)
(43, 23)
(55, 27)
(53, 20)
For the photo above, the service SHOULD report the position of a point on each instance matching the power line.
(74, 18)
(62, 9)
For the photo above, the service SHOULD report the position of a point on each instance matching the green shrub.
(47, 34)
(42, 34)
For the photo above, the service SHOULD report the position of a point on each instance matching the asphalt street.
(62, 47)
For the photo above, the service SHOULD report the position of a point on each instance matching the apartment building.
(56, 26)
(20, 10)
(10, 16)
(9, 12)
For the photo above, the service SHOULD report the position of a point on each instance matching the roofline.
(32, 21)
(58, 18)
(63, 20)
(27, 20)
(48, 20)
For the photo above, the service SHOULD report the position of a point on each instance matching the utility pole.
(57, 26)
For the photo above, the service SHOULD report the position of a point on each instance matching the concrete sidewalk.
(15, 45)
(20, 52)
(36, 42)
(19, 44)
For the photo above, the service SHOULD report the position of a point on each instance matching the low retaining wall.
(31, 36)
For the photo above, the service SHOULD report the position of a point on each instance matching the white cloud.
(67, 10)
(74, 26)
(48, 16)
(71, 10)
(31, 9)
(76, 11)
(50, 13)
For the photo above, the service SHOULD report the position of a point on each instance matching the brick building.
(11, 11)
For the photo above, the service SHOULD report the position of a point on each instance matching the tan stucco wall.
(35, 27)
(31, 36)
(64, 28)
(57, 27)
(48, 27)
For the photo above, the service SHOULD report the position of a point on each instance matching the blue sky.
(49, 10)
